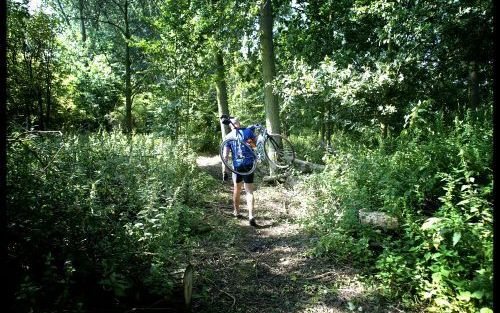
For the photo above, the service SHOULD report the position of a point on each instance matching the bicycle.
(276, 149)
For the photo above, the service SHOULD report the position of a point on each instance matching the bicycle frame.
(261, 138)
(261, 151)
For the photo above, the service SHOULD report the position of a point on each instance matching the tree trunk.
(322, 124)
(30, 91)
(128, 74)
(268, 70)
(66, 19)
(82, 21)
(222, 103)
(383, 129)
(41, 123)
(328, 124)
(48, 97)
(268, 67)
(221, 88)
(27, 111)
(474, 86)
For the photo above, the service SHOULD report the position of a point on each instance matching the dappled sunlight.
(269, 268)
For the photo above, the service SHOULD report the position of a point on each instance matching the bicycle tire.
(229, 162)
(279, 151)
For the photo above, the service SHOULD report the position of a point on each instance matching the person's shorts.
(248, 179)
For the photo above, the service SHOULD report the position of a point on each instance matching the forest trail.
(240, 268)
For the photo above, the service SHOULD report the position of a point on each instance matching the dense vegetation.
(108, 103)
(98, 210)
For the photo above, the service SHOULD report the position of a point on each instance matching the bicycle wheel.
(279, 150)
(246, 155)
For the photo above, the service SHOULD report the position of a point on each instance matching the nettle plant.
(107, 212)
(449, 253)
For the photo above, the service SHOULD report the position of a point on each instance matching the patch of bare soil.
(268, 268)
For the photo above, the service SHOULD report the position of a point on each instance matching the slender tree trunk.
(221, 88)
(268, 67)
(66, 19)
(82, 21)
(328, 124)
(383, 129)
(39, 100)
(48, 97)
(474, 86)
(31, 92)
(268, 71)
(178, 109)
(128, 74)
(27, 111)
(322, 123)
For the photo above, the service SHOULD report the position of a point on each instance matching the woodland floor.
(268, 268)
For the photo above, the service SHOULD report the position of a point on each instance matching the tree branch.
(119, 5)
(63, 13)
(118, 27)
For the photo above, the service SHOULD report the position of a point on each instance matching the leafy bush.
(106, 214)
(437, 180)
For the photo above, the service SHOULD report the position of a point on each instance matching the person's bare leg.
(250, 199)
(236, 197)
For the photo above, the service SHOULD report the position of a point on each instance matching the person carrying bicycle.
(242, 161)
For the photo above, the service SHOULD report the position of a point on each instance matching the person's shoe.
(237, 215)
(252, 222)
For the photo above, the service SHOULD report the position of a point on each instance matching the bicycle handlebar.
(225, 119)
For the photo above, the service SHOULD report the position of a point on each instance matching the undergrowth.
(437, 180)
(97, 217)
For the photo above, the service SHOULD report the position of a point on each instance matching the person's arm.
(252, 139)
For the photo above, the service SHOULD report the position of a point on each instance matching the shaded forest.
(110, 102)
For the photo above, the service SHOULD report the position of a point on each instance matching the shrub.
(437, 180)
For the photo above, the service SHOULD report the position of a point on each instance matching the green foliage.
(97, 90)
(106, 213)
(308, 147)
(437, 181)
(33, 67)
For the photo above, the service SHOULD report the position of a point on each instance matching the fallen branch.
(306, 166)
(378, 219)
(322, 275)
(230, 295)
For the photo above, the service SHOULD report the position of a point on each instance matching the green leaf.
(486, 310)
(456, 238)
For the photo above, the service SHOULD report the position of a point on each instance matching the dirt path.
(268, 268)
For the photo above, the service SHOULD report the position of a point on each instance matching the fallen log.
(378, 219)
(306, 166)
